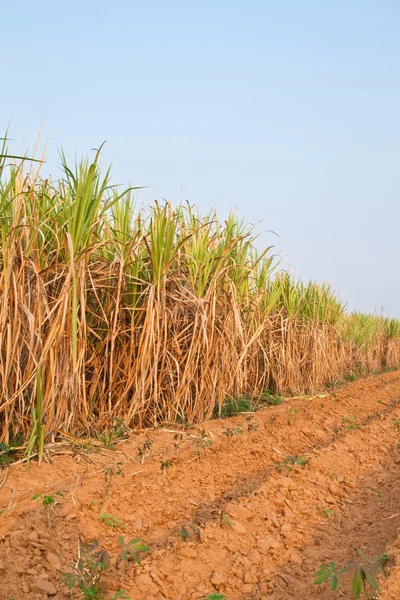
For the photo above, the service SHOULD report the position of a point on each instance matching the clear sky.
(286, 109)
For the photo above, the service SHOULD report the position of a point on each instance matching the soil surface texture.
(247, 507)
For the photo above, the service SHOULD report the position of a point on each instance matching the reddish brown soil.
(254, 529)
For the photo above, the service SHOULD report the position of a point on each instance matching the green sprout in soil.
(292, 461)
(363, 578)
(165, 465)
(349, 422)
(7, 456)
(227, 520)
(111, 471)
(144, 449)
(178, 438)
(93, 561)
(201, 441)
(377, 492)
(132, 548)
(350, 377)
(49, 502)
(215, 596)
(247, 403)
(326, 512)
(231, 431)
(383, 560)
(252, 426)
(291, 414)
(116, 433)
(111, 521)
(396, 423)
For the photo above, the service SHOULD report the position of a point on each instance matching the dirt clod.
(47, 587)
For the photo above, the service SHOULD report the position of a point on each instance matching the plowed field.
(248, 507)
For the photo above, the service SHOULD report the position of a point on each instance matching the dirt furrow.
(248, 508)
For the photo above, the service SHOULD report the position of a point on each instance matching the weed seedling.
(6, 457)
(326, 512)
(227, 520)
(92, 562)
(201, 440)
(215, 596)
(111, 471)
(292, 461)
(144, 449)
(252, 427)
(246, 403)
(362, 579)
(349, 422)
(132, 548)
(231, 431)
(117, 432)
(328, 573)
(165, 465)
(383, 560)
(178, 438)
(111, 522)
(249, 489)
(377, 492)
(291, 414)
(49, 503)
(396, 423)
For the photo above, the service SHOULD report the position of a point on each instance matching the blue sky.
(287, 110)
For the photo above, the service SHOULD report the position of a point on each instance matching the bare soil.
(250, 506)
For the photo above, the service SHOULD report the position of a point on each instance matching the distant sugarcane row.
(158, 316)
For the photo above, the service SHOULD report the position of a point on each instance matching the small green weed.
(201, 440)
(111, 521)
(227, 520)
(132, 548)
(362, 579)
(396, 423)
(247, 403)
(292, 461)
(111, 471)
(48, 502)
(350, 377)
(231, 431)
(252, 425)
(383, 559)
(178, 439)
(6, 455)
(165, 465)
(215, 596)
(291, 414)
(92, 561)
(9, 452)
(350, 423)
(377, 492)
(144, 449)
(117, 432)
(326, 512)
